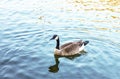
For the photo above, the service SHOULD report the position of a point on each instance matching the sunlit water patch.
(26, 27)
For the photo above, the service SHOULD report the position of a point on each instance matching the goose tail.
(86, 42)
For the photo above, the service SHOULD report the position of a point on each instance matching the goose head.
(56, 37)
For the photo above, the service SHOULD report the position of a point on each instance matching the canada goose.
(70, 48)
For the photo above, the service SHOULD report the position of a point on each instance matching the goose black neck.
(58, 43)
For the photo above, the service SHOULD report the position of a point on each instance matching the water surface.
(26, 27)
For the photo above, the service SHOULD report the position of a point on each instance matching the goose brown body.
(68, 49)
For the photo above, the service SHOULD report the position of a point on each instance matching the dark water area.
(26, 27)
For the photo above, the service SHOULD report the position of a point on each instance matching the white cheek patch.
(81, 48)
(56, 38)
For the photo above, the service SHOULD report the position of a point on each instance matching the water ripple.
(26, 50)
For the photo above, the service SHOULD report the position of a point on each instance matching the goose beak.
(51, 38)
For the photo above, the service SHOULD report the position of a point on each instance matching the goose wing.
(71, 49)
(66, 44)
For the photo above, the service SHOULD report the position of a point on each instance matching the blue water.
(26, 52)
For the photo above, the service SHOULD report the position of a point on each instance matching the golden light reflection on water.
(109, 2)
(99, 5)
(112, 2)
(99, 11)
(113, 6)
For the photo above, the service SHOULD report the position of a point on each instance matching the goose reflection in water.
(55, 68)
